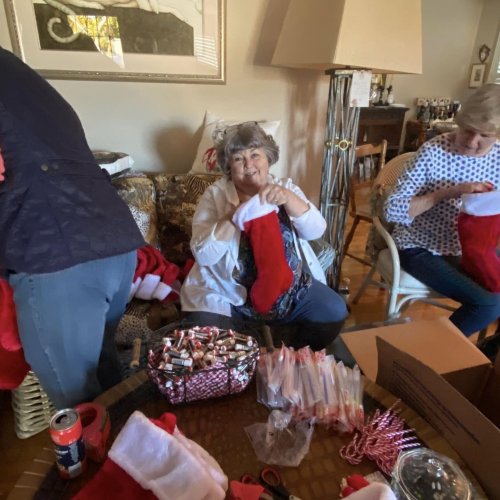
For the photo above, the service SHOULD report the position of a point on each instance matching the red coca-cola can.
(67, 435)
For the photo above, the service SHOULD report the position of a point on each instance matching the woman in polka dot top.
(426, 202)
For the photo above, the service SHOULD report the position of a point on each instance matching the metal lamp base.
(340, 141)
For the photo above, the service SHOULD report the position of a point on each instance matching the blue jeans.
(67, 322)
(443, 274)
(315, 321)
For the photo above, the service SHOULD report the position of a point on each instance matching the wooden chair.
(370, 159)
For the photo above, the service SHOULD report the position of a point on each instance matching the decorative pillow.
(139, 194)
(206, 159)
(176, 199)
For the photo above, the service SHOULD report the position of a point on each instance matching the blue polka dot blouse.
(436, 166)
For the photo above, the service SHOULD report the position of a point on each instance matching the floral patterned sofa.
(163, 206)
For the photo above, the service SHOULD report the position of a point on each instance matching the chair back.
(393, 169)
(369, 162)
(382, 186)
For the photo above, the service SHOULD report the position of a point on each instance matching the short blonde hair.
(482, 110)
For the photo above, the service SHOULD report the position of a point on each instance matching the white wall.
(449, 33)
(488, 32)
(159, 123)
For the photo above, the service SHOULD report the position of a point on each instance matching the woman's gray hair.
(481, 111)
(248, 135)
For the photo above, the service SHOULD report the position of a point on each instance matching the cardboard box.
(421, 362)
(437, 343)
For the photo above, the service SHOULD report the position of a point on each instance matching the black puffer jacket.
(57, 207)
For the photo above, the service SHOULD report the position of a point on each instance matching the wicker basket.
(32, 407)
(208, 380)
(206, 383)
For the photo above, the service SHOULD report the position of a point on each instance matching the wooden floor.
(16, 454)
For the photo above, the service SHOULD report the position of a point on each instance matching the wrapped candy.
(312, 385)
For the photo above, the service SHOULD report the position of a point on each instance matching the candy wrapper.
(312, 385)
(281, 441)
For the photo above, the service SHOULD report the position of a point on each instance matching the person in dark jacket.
(67, 241)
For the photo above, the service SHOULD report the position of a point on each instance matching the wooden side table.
(416, 134)
(382, 122)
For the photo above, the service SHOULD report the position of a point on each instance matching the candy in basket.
(202, 363)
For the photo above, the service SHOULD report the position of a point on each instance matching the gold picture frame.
(477, 75)
(181, 41)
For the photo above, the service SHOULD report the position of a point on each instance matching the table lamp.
(339, 36)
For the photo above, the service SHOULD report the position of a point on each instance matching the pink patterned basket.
(184, 386)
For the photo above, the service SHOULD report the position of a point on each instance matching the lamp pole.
(338, 160)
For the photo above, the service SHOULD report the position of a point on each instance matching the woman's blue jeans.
(67, 322)
(479, 307)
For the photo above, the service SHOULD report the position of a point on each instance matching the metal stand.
(340, 140)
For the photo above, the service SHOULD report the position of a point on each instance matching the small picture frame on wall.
(477, 75)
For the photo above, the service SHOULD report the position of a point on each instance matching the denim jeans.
(316, 319)
(479, 307)
(67, 321)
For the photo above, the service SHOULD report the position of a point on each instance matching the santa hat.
(479, 232)
(13, 367)
(152, 459)
(154, 276)
(259, 221)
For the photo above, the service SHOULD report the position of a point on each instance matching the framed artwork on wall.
(145, 40)
(477, 75)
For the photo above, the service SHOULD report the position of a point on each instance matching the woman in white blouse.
(426, 203)
(219, 287)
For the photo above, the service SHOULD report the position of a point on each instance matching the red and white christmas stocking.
(260, 223)
(152, 459)
(479, 232)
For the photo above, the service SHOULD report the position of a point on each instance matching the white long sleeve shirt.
(210, 285)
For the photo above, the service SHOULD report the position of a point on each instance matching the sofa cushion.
(176, 199)
(138, 192)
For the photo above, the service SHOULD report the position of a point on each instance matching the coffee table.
(218, 425)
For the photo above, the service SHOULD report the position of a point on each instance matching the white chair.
(403, 288)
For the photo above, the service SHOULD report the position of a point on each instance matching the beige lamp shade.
(384, 36)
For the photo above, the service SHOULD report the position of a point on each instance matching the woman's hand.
(274, 194)
(278, 195)
(420, 204)
(471, 187)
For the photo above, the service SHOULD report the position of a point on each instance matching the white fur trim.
(481, 204)
(173, 468)
(161, 291)
(252, 209)
(374, 491)
(147, 287)
(133, 288)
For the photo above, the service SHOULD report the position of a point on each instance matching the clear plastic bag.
(281, 441)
